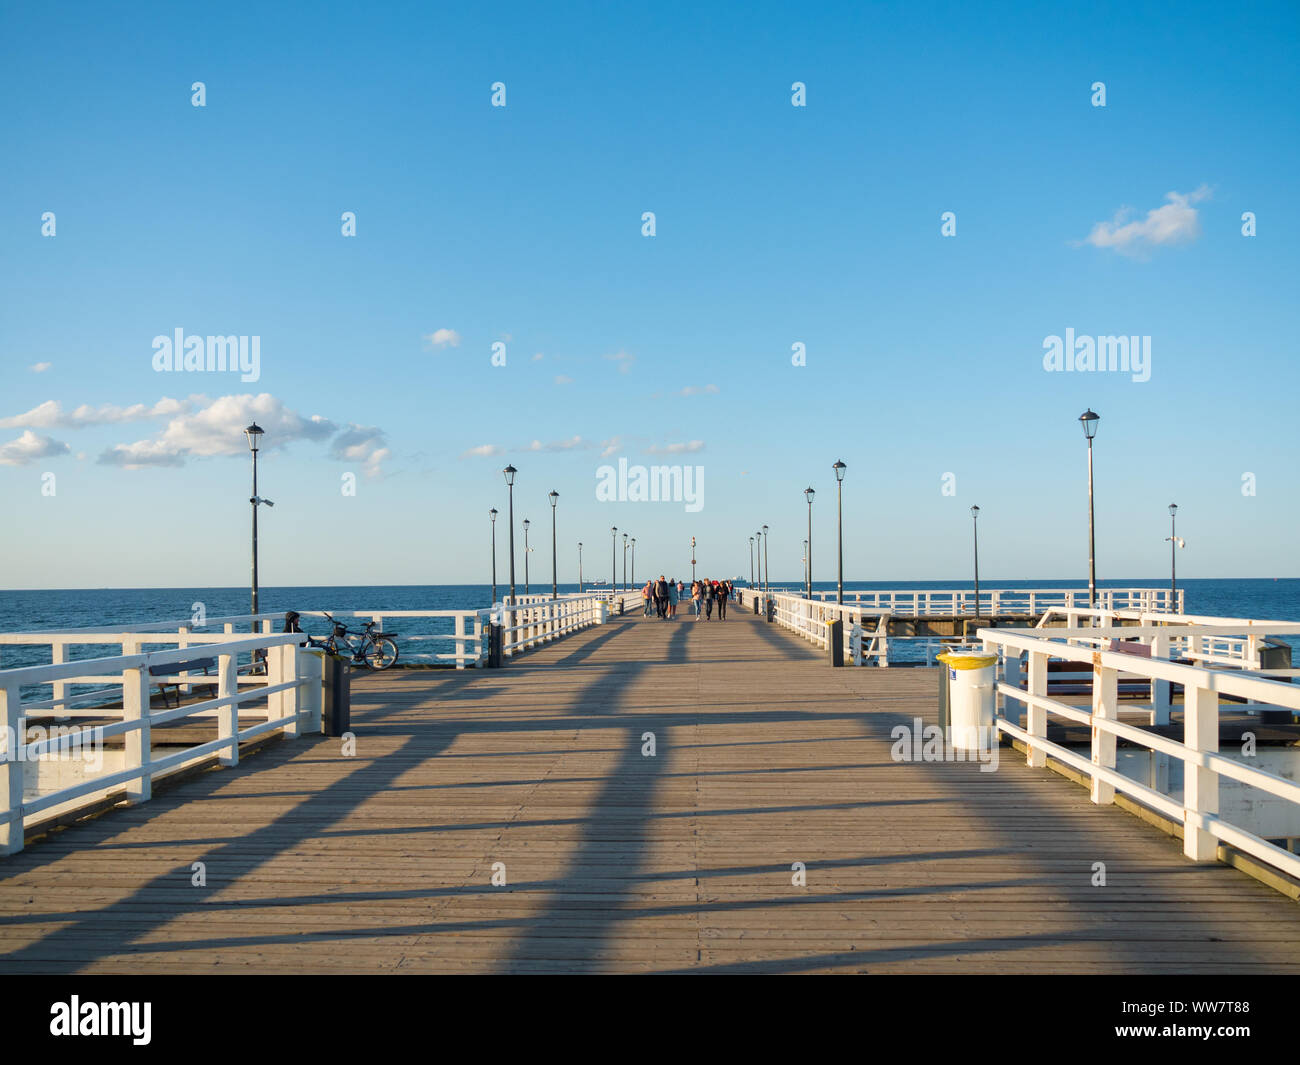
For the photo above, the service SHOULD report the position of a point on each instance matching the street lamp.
(634, 562)
(974, 516)
(579, 567)
(613, 561)
(625, 562)
(510, 472)
(808, 494)
(751, 563)
(767, 566)
(254, 434)
(759, 535)
(1089, 422)
(554, 497)
(493, 515)
(692, 560)
(839, 469)
(1174, 544)
(804, 560)
(527, 550)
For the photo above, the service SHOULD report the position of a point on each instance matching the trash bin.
(338, 695)
(969, 691)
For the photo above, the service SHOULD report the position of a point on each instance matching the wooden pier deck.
(615, 861)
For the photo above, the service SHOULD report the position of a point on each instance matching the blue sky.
(522, 225)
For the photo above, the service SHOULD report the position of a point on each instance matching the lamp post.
(1173, 560)
(975, 526)
(493, 515)
(254, 434)
(808, 494)
(767, 565)
(759, 535)
(751, 563)
(554, 497)
(1089, 422)
(509, 473)
(634, 562)
(613, 561)
(804, 560)
(839, 469)
(579, 567)
(625, 562)
(692, 560)
(527, 550)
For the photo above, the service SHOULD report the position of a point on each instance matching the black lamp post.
(613, 560)
(751, 563)
(1089, 422)
(625, 562)
(527, 551)
(759, 535)
(634, 562)
(692, 559)
(554, 497)
(975, 526)
(1173, 560)
(839, 469)
(493, 515)
(579, 567)
(510, 472)
(767, 565)
(808, 494)
(254, 433)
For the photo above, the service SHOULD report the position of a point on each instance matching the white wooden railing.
(291, 689)
(994, 602)
(1204, 766)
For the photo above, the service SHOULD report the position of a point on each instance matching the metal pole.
(1092, 542)
(1173, 563)
(751, 563)
(579, 568)
(810, 595)
(625, 562)
(975, 522)
(839, 538)
(634, 562)
(494, 558)
(254, 503)
(613, 562)
(512, 544)
(526, 588)
(767, 563)
(555, 594)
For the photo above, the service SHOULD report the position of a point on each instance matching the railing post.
(59, 655)
(228, 716)
(1200, 783)
(274, 675)
(1105, 705)
(1036, 714)
(459, 642)
(1161, 690)
(137, 743)
(291, 701)
(12, 736)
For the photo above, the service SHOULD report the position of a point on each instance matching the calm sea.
(23, 611)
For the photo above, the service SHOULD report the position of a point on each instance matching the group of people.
(664, 594)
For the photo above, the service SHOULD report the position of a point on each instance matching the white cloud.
(50, 414)
(538, 357)
(40, 367)
(676, 449)
(366, 444)
(1176, 222)
(699, 390)
(610, 446)
(444, 338)
(218, 429)
(624, 360)
(483, 451)
(563, 379)
(28, 448)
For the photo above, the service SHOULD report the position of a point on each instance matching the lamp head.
(1089, 422)
(254, 434)
(510, 472)
(1173, 509)
(554, 497)
(808, 494)
(839, 469)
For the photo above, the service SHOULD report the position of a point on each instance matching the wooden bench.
(173, 668)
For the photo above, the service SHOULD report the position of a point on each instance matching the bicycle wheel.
(381, 653)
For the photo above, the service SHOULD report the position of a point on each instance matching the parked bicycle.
(369, 648)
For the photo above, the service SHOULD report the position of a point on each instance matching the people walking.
(697, 598)
(672, 598)
(724, 590)
(645, 598)
(661, 597)
(709, 596)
